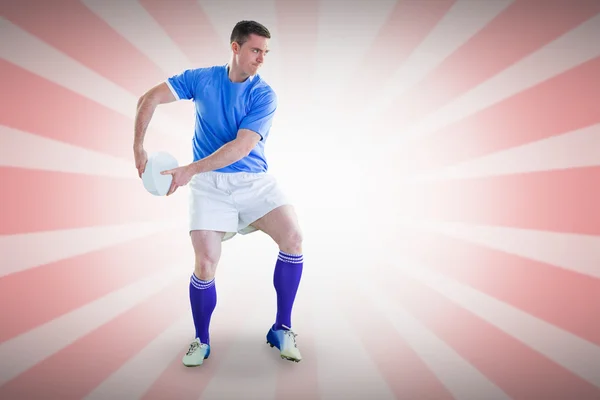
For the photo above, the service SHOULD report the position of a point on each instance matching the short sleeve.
(260, 117)
(184, 85)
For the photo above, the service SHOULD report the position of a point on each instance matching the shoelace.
(193, 347)
(290, 334)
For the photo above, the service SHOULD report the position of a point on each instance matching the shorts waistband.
(241, 174)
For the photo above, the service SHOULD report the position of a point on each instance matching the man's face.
(252, 54)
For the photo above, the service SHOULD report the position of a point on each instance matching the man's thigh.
(279, 223)
(260, 200)
(207, 244)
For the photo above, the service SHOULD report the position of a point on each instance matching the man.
(231, 191)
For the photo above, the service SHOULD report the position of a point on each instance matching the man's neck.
(234, 76)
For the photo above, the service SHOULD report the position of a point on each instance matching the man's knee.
(207, 249)
(206, 266)
(291, 242)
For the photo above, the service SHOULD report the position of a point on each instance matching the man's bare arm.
(147, 103)
(229, 153)
(226, 155)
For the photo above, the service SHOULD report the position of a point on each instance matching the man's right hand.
(141, 158)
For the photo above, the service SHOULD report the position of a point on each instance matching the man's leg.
(281, 224)
(203, 292)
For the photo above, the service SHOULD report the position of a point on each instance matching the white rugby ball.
(154, 182)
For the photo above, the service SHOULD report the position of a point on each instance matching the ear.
(235, 47)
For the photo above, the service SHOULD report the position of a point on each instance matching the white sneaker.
(196, 354)
(285, 341)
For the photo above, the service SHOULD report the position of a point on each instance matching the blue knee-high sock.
(203, 298)
(286, 279)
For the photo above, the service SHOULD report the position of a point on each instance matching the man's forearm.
(224, 156)
(143, 115)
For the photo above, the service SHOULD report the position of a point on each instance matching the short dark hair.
(243, 29)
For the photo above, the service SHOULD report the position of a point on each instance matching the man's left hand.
(181, 177)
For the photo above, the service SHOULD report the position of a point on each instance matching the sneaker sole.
(284, 357)
(194, 365)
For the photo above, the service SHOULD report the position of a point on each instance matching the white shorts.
(230, 202)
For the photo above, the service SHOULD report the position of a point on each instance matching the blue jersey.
(222, 108)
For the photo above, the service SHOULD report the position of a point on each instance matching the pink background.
(443, 156)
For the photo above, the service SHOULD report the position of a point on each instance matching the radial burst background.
(443, 156)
